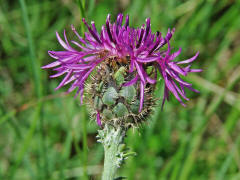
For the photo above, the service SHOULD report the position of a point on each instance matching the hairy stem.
(112, 140)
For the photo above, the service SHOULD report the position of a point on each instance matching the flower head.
(121, 46)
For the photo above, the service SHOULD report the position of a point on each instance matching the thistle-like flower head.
(123, 63)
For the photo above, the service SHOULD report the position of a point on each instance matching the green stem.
(82, 8)
(85, 146)
(112, 140)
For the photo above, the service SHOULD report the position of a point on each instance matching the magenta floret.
(140, 44)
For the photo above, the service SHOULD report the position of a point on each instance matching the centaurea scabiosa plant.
(118, 70)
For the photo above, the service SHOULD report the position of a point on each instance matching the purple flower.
(120, 41)
(170, 72)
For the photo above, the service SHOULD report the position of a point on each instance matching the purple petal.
(169, 34)
(70, 80)
(148, 26)
(99, 119)
(51, 65)
(65, 37)
(150, 80)
(73, 86)
(177, 78)
(119, 22)
(168, 49)
(79, 37)
(195, 70)
(64, 79)
(87, 74)
(165, 96)
(78, 66)
(94, 28)
(140, 38)
(147, 59)
(169, 83)
(95, 36)
(141, 96)
(89, 58)
(155, 46)
(58, 74)
(133, 81)
(126, 22)
(189, 60)
(51, 53)
(192, 89)
(79, 45)
(60, 54)
(177, 69)
(174, 55)
(181, 92)
(108, 28)
(63, 44)
(140, 72)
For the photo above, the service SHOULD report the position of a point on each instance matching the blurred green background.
(45, 134)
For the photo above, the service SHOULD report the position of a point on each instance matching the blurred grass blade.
(33, 61)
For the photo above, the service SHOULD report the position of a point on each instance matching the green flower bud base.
(117, 104)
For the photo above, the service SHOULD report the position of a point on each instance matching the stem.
(85, 146)
(82, 8)
(112, 140)
(110, 156)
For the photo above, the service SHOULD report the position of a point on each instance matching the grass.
(45, 134)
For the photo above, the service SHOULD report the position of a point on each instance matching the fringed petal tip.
(148, 21)
(43, 67)
(108, 18)
(51, 65)
(52, 54)
(55, 89)
(196, 70)
(195, 56)
(187, 61)
(126, 21)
